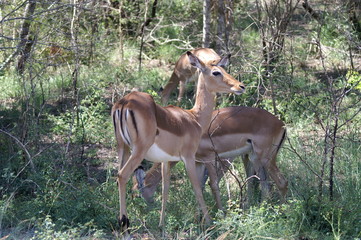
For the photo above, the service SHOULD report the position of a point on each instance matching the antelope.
(145, 130)
(252, 133)
(184, 72)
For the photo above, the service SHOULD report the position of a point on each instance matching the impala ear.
(196, 62)
(224, 61)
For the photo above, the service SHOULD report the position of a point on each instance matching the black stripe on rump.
(133, 120)
(114, 124)
(121, 125)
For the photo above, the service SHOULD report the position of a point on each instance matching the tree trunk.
(24, 55)
(229, 22)
(324, 162)
(332, 157)
(146, 23)
(221, 29)
(94, 30)
(24, 35)
(206, 23)
(354, 12)
(74, 28)
(120, 30)
(274, 18)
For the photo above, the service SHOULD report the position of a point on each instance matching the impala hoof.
(124, 223)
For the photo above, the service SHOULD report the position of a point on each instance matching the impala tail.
(275, 173)
(282, 140)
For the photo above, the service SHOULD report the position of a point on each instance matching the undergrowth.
(67, 188)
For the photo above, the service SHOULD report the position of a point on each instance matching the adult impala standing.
(166, 134)
(252, 133)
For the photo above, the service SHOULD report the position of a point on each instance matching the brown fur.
(170, 133)
(232, 128)
(184, 71)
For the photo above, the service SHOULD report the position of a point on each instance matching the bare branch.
(22, 146)
(302, 160)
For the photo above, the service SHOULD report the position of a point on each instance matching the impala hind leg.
(124, 175)
(123, 156)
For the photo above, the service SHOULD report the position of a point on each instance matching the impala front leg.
(192, 174)
(165, 191)
(279, 179)
(182, 88)
(213, 183)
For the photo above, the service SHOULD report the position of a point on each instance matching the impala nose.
(238, 90)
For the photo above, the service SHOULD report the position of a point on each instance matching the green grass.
(72, 194)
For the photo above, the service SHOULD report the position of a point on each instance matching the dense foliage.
(57, 85)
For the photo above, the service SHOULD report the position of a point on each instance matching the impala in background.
(185, 72)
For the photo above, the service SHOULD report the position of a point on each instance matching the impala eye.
(216, 73)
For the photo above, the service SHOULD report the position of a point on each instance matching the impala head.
(218, 80)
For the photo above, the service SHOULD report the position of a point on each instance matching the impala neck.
(204, 104)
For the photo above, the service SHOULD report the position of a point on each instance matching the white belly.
(156, 154)
(236, 152)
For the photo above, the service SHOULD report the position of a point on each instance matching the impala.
(145, 130)
(184, 72)
(252, 133)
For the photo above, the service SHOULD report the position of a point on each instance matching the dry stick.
(302, 160)
(332, 157)
(21, 145)
(5, 205)
(17, 175)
